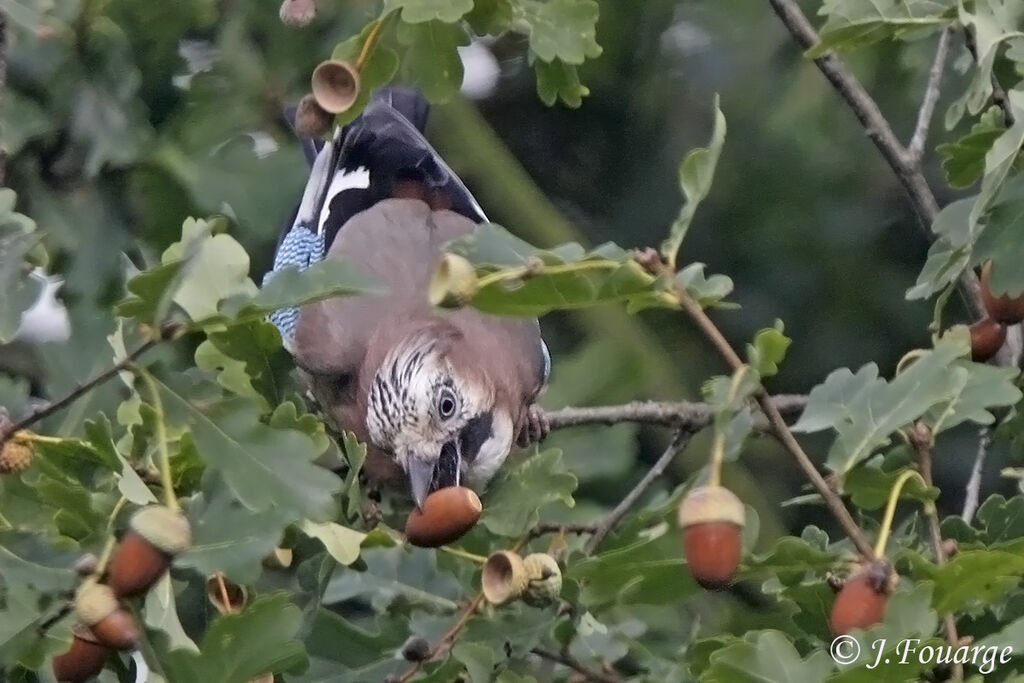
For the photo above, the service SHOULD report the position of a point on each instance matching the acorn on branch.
(83, 660)
(544, 580)
(447, 514)
(312, 120)
(504, 577)
(155, 536)
(861, 601)
(16, 454)
(987, 337)
(712, 519)
(98, 608)
(1004, 309)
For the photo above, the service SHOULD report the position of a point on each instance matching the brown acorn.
(83, 660)
(16, 455)
(861, 602)
(504, 577)
(155, 536)
(712, 519)
(335, 85)
(1003, 309)
(987, 337)
(447, 514)
(98, 608)
(311, 120)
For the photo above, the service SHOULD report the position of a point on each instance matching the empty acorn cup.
(335, 85)
(504, 577)
(225, 596)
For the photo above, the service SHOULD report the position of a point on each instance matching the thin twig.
(678, 414)
(609, 521)
(556, 528)
(973, 488)
(881, 134)
(452, 633)
(568, 660)
(921, 440)
(79, 390)
(915, 149)
(831, 498)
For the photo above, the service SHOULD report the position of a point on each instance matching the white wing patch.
(359, 179)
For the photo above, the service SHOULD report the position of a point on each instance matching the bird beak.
(421, 474)
(445, 467)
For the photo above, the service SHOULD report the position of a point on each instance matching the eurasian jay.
(438, 396)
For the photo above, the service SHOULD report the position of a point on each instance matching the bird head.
(436, 415)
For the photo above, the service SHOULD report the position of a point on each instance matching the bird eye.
(446, 406)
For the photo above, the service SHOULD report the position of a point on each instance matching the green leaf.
(26, 559)
(999, 160)
(265, 364)
(948, 255)
(975, 389)
(559, 29)
(490, 16)
(229, 537)
(218, 271)
(396, 576)
(648, 572)
(432, 59)
(513, 500)
(355, 456)
(854, 24)
(1000, 243)
(869, 487)
(20, 290)
(342, 651)
(239, 647)
(420, 11)
(161, 613)
(789, 561)
(991, 24)
(516, 278)
(341, 542)
(1002, 519)
(558, 80)
(865, 410)
(293, 287)
(770, 656)
(971, 577)
(964, 160)
(768, 350)
(264, 467)
(695, 176)
(477, 658)
(707, 291)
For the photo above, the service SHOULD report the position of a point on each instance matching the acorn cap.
(504, 577)
(237, 595)
(15, 456)
(711, 504)
(312, 120)
(297, 12)
(168, 530)
(335, 85)
(544, 580)
(94, 602)
(454, 282)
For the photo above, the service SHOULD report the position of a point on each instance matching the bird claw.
(535, 428)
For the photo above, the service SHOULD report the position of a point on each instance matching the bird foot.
(535, 428)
